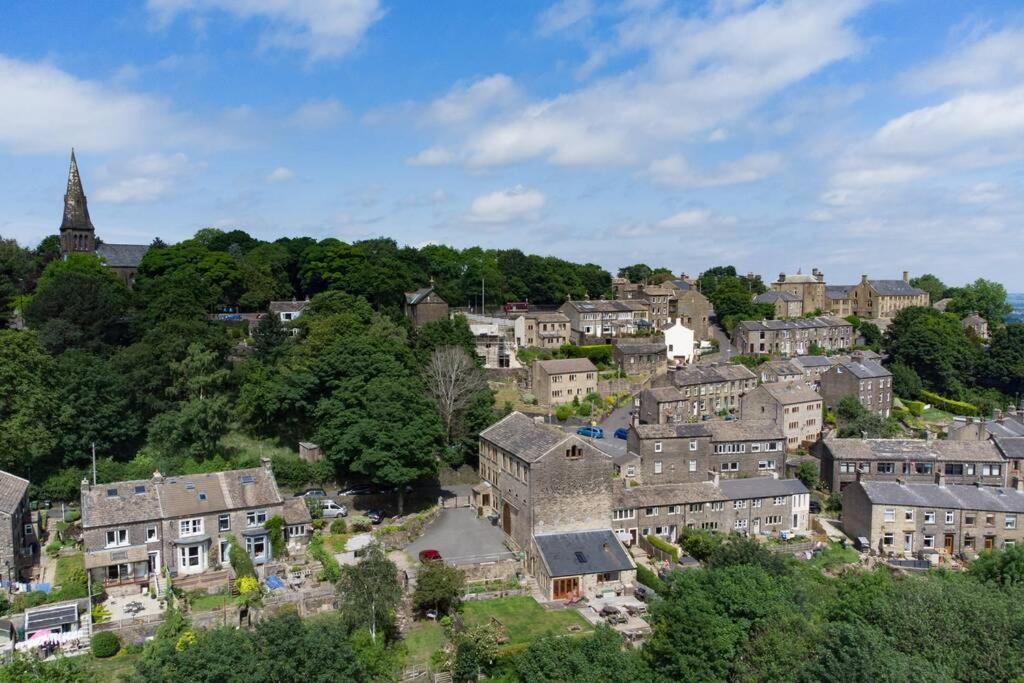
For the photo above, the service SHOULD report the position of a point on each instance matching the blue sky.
(848, 135)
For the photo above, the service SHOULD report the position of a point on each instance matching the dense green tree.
(931, 284)
(905, 382)
(854, 420)
(934, 345)
(265, 276)
(28, 668)
(16, 269)
(984, 297)
(27, 405)
(637, 273)
(1003, 366)
(597, 657)
(872, 335)
(452, 331)
(439, 586)
(370, 592)
(1001, 567)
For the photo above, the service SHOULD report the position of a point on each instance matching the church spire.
(76, 230)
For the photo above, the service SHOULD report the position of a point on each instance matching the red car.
(429, 556)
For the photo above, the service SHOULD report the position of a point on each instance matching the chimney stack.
(717, 478)
(782, 277)
(863, 279)
(85, 485)
(906, 276)
(940, 479)
(157, 477)
(266, 464)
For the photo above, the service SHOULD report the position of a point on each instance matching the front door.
(948, 543)
(632, 536)
(154, 562)
(564, 589)
(908, 542)
(990, 542)
(506, 519)
(756, 528)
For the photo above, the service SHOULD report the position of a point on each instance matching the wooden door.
(948, 543)
(989, 542)
(564, 589)
(506, 519)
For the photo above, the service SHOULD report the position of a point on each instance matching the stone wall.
(488, 571)
(571, 494)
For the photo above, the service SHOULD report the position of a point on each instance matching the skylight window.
(140, 489)
(190, 486)
(247, 479)
(580, 557)
(202, 496)
(111, 493)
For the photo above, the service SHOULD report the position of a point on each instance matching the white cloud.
(514, 204)
(432, 156)
(675, 171)
(44, 109)
(326, 29)
(143, 179)
(563, 14)
(281, 174)
(992, 60)
(698, 75)
(318, 114)
(686, 219)
(466, 102)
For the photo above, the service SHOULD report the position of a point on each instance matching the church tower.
(76, 231)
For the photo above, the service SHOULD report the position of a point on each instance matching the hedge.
(948, 404)
(662, 544)
(916, 408)
(105, 644)
(239, 559)
(651, 580)
(331, 569)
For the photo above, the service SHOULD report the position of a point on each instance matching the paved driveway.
(462, 538)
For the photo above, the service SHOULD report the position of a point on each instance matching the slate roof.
(782, 368)
(710, 374)
(800, 278)
(126, 502)
(287, 306)
(770, 297)
(667, 494)
(838, 291)
(936, 450)
(12, 490)
(51, 616)
(744, 430)
(296, 511)
(419, 295)
(793, 324)
(547, 316)
(1011, 447)
(760, 487)
(1009, 426)
(680, 284)
(608, 306)
(788, 393)
(894, 288)
(601, 552)
(636, 348)
(866, 369)
(520, 435)
(122, 255)
(685, 430)
(563, 365)
(950, 496)
(661, 395)
(808, 362)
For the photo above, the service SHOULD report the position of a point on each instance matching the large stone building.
(692, 309)
(786, 304)
(495, 342)
(640, 356)
(657, 297)
(938, 517)
(602, 319)
(809, 290)
(795, 407)
(425, 305)
(792, 337)
(910, 460)
(542, 330)
(77, 234)
(133, 529)
(875, 298)
(863, 379)
(562, 380)
(19, 542)
(701, 391)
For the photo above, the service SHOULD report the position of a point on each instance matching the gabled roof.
(667, 494)
(894, 288)
(636, 348)
(949, 496)
(1012, 447)
(12, 491)
(582, 552)
(838, 291)
(974, 319)
(413, 298)
(296, 511)
(770, 297)
(547, 316)
(808, 362)
(921, 450)
(680, 284)
(744, 430)
(661, 395)
(864, 369)
(788, 393)
(608, 306)
(793, 324)
(562, 365)
(760, 487)
(122, 255)
(672, 431)
(801, 278)
(782, 368)
(520, 435)
(690, 375)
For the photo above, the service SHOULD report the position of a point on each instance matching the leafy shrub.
(905, 381)
(339, 526)
(239, 559)
(916, 408)
(563, 412)
(53, 547)
(361, 525)
(331, 569)
(247, 584)
(100, 614)
(663, 545)
(948, 404)
(807, 473)
(275, 530)
(105, 644)
(650, 579)
(699, 544)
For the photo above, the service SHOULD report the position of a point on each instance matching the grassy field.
(242, 444)
(110, 670)
(524, 618)
(835, 556)
(425, 638)
(205, 603)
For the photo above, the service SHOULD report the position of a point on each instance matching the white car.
(329, 509)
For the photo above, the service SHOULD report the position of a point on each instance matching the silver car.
(330, 509)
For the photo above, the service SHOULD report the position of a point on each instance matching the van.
(329, 509)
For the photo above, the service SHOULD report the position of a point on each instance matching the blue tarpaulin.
(274, 582)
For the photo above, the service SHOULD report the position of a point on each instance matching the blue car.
(592, 432)
(621, 432)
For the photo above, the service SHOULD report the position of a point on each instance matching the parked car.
(314, 493)
(427, 556)
(814, 507)
(329, 509)
(622, 432)
(375, 516)
(357, 490)
(592, 432)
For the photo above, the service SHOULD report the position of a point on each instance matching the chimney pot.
(906, 276)
(863, 279)
(267, 465)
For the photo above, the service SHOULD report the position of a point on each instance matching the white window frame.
(779, 500)
(190, 527)
(692, 466)
(657, 447)
(651, 512)
(220, 522)
(119, 536)
(693, 444)
(1010, 522)
(152, 534)
(254, 518)
(929, 517)
(889, 515)
(950, 517)
(908, 514)
(657, 467)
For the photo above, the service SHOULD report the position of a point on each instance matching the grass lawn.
(205, 603)
(936, 415)
(424, 639)
(111, 669)
(336, 542)
(524, 618)
(835, 556)
(243, 444)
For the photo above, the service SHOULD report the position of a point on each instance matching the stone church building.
(77, 233)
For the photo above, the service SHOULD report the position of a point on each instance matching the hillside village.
(232, 433)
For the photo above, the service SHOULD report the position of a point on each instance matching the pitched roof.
(547, 316)
(808, 362)
(940, 450)
(760, 487)
(296, 511)
(608, 305)
(949, 496)
(122, 255)
(12, 490)
(419, 295)
(629, 348)
(1008, 426)
(582, 552)
(771, 297)
(520, 435)
(974, 319)
(76, 208)
(667, 494)
(680, 284)
(744, 430)
(894, 288)
(838, 291)
(1011, 447)
(788, 393)
(563, 365)
(865, 369)
(801, 278)
(661, 395)
(672, 431)
(690, 375)
(794, 323)
(782, 367)
(287, 306)
(179, 496)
